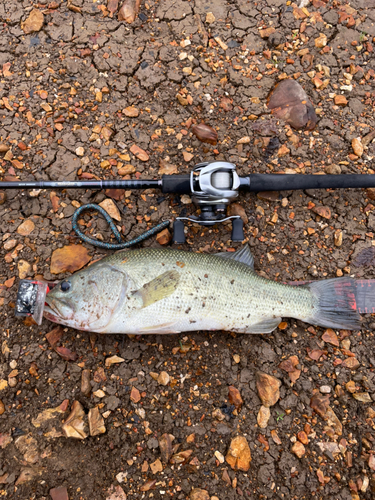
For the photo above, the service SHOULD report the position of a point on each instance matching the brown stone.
(320, 403)
(340, 100)
(2, 408)
(131, 112)
(66, 353)
(129, 11)
(164, 237)
(69, 258)
(165, 445)
(54, 336)
(85, 382)
(126, 170)
(199, 494)
(167, 168)
(235, 398)
(357, 146)
(26, 227)
(111, 208)
(351, 363)
(50, 413)
(333, 421)
(24, 269)
(268, 388)
(290, 366)
(298, 449)
(34, 22)
(263, 417)
(135, 395)
(96, 422)
(239, 455)
(156, 466)
(116, 493)
(237, 209)
(75, 425)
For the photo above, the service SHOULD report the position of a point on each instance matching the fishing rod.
(213, 186)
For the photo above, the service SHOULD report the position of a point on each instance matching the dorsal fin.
(242, 255)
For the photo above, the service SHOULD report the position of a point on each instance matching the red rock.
(289, 365)
(205, 133)
(54, 335)
(116, 493)
(289, 102)
(135, 395)
(330, 337)
(322, 211)
(59, 493)
(320, 403)
(139, 153)
(66, 353)
(302, 436)
(226, 104)
(340, 100)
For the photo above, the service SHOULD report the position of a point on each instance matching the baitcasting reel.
(213, 187)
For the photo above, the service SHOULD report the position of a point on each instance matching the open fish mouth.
(57, 310)
(50, 314)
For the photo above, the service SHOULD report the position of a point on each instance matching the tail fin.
(335, 304)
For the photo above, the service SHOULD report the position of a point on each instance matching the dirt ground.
(79, 89)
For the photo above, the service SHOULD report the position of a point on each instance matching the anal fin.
(265, 326)
(159, 329)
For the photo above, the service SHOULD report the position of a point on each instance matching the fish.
(160, 291)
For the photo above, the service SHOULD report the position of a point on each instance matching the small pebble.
(325, 389)
(163, 378)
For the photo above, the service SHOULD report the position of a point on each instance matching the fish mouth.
(58, 310)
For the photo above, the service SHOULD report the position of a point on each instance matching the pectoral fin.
(159, 288)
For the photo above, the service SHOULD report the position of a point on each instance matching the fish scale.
(169, 291)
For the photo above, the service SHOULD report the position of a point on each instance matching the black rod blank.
(181, 183)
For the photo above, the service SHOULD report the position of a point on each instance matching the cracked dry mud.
(83, 95)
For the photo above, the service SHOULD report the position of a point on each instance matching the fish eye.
(65, 286)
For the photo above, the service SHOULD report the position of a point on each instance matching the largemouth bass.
(171, 291)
